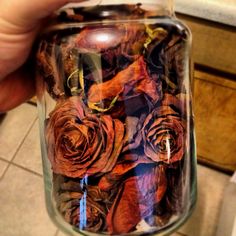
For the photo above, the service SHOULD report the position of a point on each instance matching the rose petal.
(136, 199)
(115, 86)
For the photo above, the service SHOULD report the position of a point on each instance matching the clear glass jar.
(115, 107)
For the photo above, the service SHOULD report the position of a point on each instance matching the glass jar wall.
(117, 136)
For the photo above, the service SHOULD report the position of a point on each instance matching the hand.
(20, 22)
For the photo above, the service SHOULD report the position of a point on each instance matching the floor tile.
(22, 205)
(61, 234)
(14, 127)
(210, 195)
(29, 155)
(3, 166)
(227, 221)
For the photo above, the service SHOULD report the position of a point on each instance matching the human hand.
(20, 22)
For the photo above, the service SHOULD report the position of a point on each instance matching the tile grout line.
(19, 166)
(26, 169)
(4, 173)
(14, 155)
(4, 160)
(23, 140)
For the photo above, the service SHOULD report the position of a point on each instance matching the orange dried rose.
(81, 206)
(82, 144)
(91, 216)
(164, 132)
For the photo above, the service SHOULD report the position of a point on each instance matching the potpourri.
(117, 138)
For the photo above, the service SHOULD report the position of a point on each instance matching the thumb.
(26, 13)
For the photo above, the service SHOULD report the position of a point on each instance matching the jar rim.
(149, 5)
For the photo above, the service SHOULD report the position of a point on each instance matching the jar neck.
(156, 7)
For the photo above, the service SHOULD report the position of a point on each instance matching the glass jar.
(115, 108)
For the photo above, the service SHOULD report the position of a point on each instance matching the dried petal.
(134, 80)
(136, 199)
(113, 178)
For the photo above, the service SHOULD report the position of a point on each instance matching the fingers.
(19, 24)
(26, 13)
(16, 89)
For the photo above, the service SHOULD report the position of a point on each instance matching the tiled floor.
(22, 211)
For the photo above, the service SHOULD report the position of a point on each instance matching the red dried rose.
(164, 132)
(136, 199)
(82, 144)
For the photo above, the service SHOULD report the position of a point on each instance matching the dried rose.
(82, 144)
(164, 132)
(137, 198)
(80, 209)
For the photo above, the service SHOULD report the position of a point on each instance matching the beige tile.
(29, 155)
(22, 205)
(61, 234)
(3, 166)
(227, 221)
(14, 127)
(211, 188)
